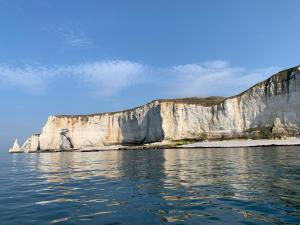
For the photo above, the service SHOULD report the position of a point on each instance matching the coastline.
(235, 143)
(266, 110)
(239, 143)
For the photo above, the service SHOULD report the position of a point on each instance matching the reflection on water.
(74, 165)
(184, 186)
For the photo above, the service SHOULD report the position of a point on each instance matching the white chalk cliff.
(269, 109)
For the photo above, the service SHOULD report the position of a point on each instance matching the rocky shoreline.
(237, 143)
(244, 143)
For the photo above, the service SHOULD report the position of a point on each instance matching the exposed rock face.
(268, 109)
(66, 143)
(141, 125)
(31, 144)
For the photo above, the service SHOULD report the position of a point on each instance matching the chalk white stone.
(273, 103)
(31, 144)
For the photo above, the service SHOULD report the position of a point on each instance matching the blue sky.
(75, 57)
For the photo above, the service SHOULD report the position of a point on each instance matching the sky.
(81, 57)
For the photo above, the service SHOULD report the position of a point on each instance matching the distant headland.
(268, 113)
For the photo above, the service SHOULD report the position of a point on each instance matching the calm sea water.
(184, 186)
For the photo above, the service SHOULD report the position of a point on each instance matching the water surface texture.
(176, 186)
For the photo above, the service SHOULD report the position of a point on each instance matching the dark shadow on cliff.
(279, 87)
(147, 131)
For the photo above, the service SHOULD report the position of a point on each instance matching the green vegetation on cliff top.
(209, 101)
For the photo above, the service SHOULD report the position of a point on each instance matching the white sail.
(15, 147)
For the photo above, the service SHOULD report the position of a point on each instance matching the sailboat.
(16, 147)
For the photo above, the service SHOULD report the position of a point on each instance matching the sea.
(166, 186)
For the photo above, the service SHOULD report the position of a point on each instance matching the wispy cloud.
(31, 79)
(77, 39)
(72, 36)
(102, 77)
(108, 78)
(213, 78)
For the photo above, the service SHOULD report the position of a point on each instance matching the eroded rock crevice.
(66, 143)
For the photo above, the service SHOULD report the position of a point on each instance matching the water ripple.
(208, 186)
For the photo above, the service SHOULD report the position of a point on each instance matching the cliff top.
(281, 77)
(207, 101)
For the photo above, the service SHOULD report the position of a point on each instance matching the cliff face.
(268, 109)
(141, 125)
